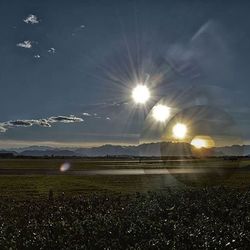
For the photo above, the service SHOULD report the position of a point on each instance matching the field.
(26, 178)
(207, 218)
(105, 204)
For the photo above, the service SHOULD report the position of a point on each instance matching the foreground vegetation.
(201, 218)
(121, 211)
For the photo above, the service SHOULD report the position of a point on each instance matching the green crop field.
(27, 186)
(112, 164)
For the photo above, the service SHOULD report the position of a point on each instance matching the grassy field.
(111, 164)
(39, 185)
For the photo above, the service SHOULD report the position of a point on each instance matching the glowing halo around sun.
(179, 131)
(161, 112)
(140, 94)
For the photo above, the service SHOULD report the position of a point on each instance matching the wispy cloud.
(65, 119)
(45, 122)
(25, 44)
(19, 123)
(31, 19)
(95, 115)
(50, 121)
(26, 123)
(2, 129)
(78, 29)
(52, 50)
(86, 114)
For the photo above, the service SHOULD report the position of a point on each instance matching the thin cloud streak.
(4, 126)
(65, 119)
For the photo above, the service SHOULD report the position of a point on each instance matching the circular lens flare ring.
(179, 131)
(140, 94)
(161, 112)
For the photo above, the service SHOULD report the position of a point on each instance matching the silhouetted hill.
(107, 150)
(8, 152)
(55, 152)
(233, 150)
(147, 149)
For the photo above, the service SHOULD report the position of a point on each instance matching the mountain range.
(147, 149)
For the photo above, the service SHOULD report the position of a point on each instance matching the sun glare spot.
(199, 143)
(179, 130)
(202, 142)
(161, 112)
(140, 94)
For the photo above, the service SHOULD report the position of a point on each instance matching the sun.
(140, 94)
(179, 130)
(161, 112)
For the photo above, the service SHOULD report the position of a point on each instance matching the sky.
(67, 67)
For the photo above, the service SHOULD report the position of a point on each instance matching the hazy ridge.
(147, 149)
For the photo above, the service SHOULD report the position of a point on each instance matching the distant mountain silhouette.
(234, 150)
(3, 151)
(55, 152)
(147, 149)
(7, 154)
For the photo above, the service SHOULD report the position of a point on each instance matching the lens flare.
(202, 141)
(140, 94)
(199, 143)
(161, 112)
(65, 167)
(179, 131)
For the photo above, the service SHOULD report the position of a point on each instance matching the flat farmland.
(23, 178)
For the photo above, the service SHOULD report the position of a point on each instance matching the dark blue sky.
(61, 59)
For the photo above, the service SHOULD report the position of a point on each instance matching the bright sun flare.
(202, 141)
(161, 112)
(141, 94)
(179, 130)
(199, 143)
